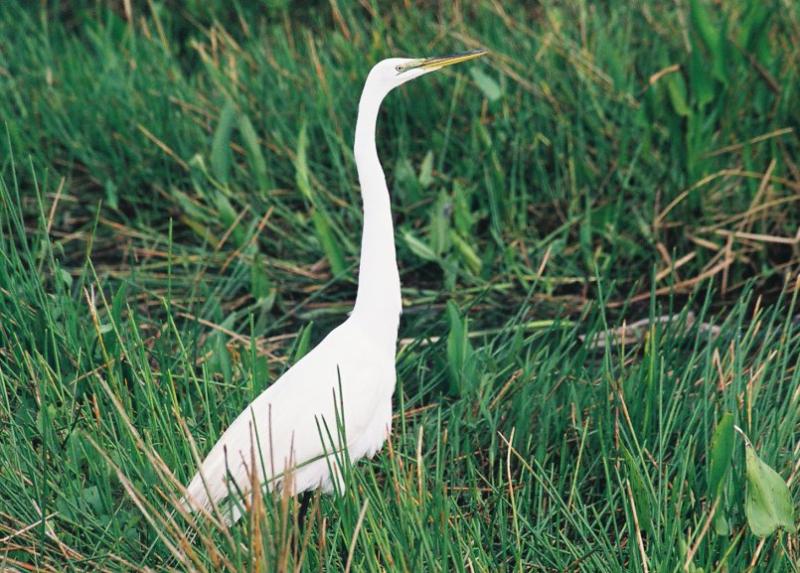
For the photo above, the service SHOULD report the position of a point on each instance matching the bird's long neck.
(378, 298)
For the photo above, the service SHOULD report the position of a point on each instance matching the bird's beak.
(439, 62)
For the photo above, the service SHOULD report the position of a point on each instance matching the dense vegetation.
(597, 229)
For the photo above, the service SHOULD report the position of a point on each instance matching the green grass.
(179, 220)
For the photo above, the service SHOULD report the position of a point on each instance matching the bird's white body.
(287, 429)
(345, 382)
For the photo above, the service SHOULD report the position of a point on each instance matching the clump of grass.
(558, 452)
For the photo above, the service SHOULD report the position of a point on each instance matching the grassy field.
(597, 231)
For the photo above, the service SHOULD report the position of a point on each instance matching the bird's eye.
(398, 68)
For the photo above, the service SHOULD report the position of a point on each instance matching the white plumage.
(289, 418)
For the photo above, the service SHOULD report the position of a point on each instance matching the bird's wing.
(291, 415)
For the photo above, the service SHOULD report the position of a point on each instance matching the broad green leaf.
(65, 277)
(585, 239)
(228, 215)
(720, 523)
(330, 245)
(700, 80)
(118, 302)
(198, 172)
(676, 88)
(752, 26)
(721, 56)
(440, 224)
(404, 171)
(260, 285)
(112, 194)
(467, 253)
(460, 354)
(190, 208)
(757, 40)
(256, 365)
(462, 214)
(641, 496)
(254, 156)
(713, 37)
(91, 496)
(768, 503)
(426, 171)
(702, 25)
(201, 230)
(223, 359)
(301, 166)
(406, 182)
(419, 248)
(490, 88)
(721, 454)
(303, 344)
(221, 154)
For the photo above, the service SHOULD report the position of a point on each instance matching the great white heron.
(349, 378)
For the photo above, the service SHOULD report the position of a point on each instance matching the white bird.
(348, 379)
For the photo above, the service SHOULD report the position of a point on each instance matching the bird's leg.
(299, 531)
(305, 500)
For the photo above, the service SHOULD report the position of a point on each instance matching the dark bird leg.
(298, 533)
(305, 501)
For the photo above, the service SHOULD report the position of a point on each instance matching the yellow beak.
(439, 62)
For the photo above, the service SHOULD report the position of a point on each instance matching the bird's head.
(388, 74)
